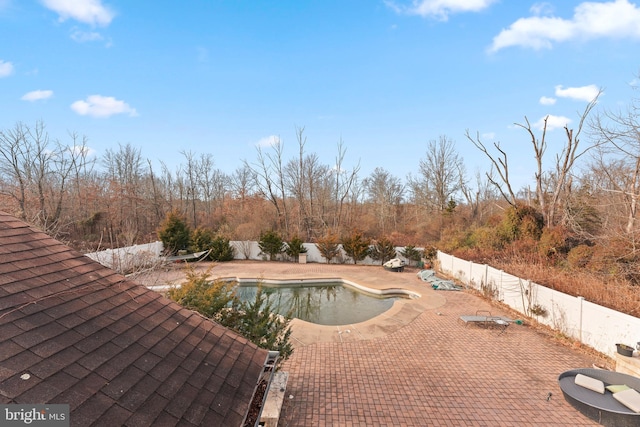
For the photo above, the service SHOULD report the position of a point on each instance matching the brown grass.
(612, 292)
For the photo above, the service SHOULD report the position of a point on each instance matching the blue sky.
(385, 77)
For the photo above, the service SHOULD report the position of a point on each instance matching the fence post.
(486, 274)
(581, 299)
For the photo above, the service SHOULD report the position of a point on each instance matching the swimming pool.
(322, 302)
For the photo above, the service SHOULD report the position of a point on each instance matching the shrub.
(430, 252)
(455, 238)
(271, 244)
(255, 320)
(207, 297)
(205, 240)
(221, 249)
(328, 246)
(521, 221)
(383, 250)
(486, 238)
(260, 324)
(295, 247)
(356, 246)
(202, 239)
(174, 232)
(579, 256)
(538, 310)
(552, 242)
(412, 253)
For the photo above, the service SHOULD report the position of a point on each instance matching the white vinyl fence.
(247, 249)
(126, 259)
(596, 326)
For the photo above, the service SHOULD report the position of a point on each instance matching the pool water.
(323, 304)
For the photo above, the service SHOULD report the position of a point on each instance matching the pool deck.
(416, 364)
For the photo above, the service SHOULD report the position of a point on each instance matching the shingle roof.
(116, 352)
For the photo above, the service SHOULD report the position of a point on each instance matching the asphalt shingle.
(115, 351)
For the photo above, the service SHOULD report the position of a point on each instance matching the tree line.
(583, 193)
(119, 198)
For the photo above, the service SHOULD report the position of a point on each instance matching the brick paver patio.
(430, 370)
(434, 371)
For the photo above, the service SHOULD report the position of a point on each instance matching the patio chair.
(485, 319)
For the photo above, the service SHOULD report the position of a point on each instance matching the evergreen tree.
(221, 249)
(210, 298)
(383, 250)
(356, 246)
(295, 247)
(202, 240)
(260, 324)
(328, 246)
(412, 253)
(255, 320)
(174, 232)
(271, 244)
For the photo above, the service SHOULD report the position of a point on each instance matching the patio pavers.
(424, 368)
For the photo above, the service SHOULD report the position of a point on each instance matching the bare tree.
(167, 181)
(241, 183)
(205, 186)
(551, 186)
(268, 173)
(16, 165)
(385, 192)
(68, 163)
(618, 157)
(552, 196)
(500, 165)
(440, 174)
(157, 195)
(307, 180)
(191, 184)
(35, 172)
(477, 195)
(125, 170)
(343, 184)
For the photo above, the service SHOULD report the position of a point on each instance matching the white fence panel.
(594, 325)
(124, 259)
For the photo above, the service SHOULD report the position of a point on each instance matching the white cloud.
(82, 150)
(88, 11)
(6, 68)
(553, 122)
(614, 19)
(268, 141)
(37, 95)
(439, 9)
(583, 93)
(541, 9)
(85, 36)
(488, 136)
(102, 106)
(545, 100)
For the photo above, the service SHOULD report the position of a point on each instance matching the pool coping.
(373, 279)
(342, 281)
